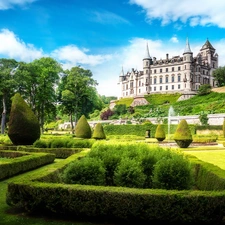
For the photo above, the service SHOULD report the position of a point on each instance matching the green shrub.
(24, 127)
(182, 135)
(58, 143)
(160, 133)
(172, 173)
(40, 144)
(129, 173)
(83, 129)
(80, 143)
(99, 132)
(89, 171)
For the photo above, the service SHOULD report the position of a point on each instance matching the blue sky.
(106, 35)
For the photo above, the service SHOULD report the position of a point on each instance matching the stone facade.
(183, 74)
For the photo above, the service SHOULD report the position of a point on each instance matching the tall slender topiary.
(83, 129)
(182, 135)
(99, 132)
(224, 127)
(160, 133)
(24, 128)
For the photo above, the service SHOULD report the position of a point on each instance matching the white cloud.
(106, 17)
(174, 39)
(199, 12)
(72, 55)
(7, 4)
(13, 47)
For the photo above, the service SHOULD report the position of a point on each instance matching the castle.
(183, 74)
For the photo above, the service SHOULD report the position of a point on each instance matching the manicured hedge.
(22, 162)
(122, 204)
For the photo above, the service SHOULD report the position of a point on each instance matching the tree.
(77, 94)
(99, 132)
(204, 89)
(37, 84)
(7, 86)
(219, 75)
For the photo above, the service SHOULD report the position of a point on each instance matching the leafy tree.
(47, 77)
(120, 109)
(7, 86)
(219, 75)
(204, 89)
(77, 93)
(160, 133)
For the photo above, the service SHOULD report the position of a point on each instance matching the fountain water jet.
(171, 112)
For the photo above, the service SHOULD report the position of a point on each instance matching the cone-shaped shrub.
(83, 129)
(160, 133)
(224, 128)
(24, 127)
(99, 132)
(182, 135)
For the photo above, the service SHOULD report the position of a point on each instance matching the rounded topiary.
(24, 128)
(83, 129)
(160, 133)
(182, 135)
(99, 132)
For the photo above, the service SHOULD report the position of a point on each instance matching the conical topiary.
(160, 133)
(182, 135)
(24, 128)
(83, 129)
(224, 128)
(99, 132)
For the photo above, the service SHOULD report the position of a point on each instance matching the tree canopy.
(219, 75)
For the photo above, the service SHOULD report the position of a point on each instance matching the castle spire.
(147, 55)
(122, 72)
(187, 47)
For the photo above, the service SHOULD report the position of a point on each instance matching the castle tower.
(187, 68)
(147, 61)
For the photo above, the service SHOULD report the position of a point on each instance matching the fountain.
(170, 113)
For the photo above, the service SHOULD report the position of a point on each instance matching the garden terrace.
(44, 191)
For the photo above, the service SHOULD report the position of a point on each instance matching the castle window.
(172, 68)
(213, 65)
(139, 83)
(131, 84)
(178, 86)
(166, 87)
(172, 87)
(172, 78)
(139, 90)
(178, 78)
(154, 71)
(178, 67)
(185, 67)
(154, 80)
(146, 71)
(146, 63)
(203, 72)
(166, 69)
(160, 70)
(167, 79)
(184, 58)
(154, 88)
(127, 86)
(160, 80)
(160, 88)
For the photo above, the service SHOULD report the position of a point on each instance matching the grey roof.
(187, 47)
(147, 55)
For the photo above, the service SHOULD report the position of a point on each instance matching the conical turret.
(187, 47)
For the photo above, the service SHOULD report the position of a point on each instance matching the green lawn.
(216, 157)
